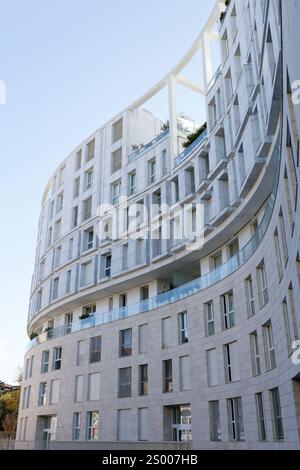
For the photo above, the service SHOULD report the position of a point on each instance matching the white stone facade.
(233, 376)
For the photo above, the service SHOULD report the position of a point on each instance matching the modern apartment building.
(142, 337)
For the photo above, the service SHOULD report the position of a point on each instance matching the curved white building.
(139, 336)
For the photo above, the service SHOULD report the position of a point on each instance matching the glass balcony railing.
(190, 149)
(138, 153)
(180, 292)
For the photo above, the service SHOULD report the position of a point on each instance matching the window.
(260, 417)
(227, 309)
(152, 171)
(95, 349)
(143, 424)
(45, 362)
(78, 160)
(31, 366)
(74, 216)
(262, 285)
(125, 382)
(57, 256)
(76, 426)
(278, 254)
(68, 281)
(116, 192)
(54, 392)
(214, 418)
(184, 373)
(61, 175)
(166, 333)
(80, 353)
(132, 183)
(49, 239)
(57, 229)
(164, 164)
(94, 387)
(256, 368)
(167, 376)
(90, 150)
(269, 346)
(125, 256)
(89, 309)
(78, 388)
(143, 338)
(125, 342)
(88, 179)
(117, 131)
(277, 416)
(51, 210)
(143, 379)
(39, 297)
(76, 187)
(290, 321)
(124, 425)
(59, 202)
(70, 248)
(283, 237)
(88, 239)
(42, 394)
(183, 328)
(107, 266)
(57, 356)
(235, 419)
(87, 209)
(250, 296)
(86, 274)
(232, 372)
(116, 160)
(55, 287)
(92, 426)
(212, 368)
(209, 319)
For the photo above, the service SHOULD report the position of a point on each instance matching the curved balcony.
(190, 149)
(141, 151)
(183, 291)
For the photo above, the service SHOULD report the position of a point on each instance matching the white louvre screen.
(212, 367)
(143, 424)
(94, 386)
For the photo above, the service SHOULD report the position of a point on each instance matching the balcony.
(145, 148)
(191, 148)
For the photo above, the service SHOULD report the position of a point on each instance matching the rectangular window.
(278, 254)
(167, 376)
(93, 431)
(256, 368)
(42, 394)
(78, 388)
(57, 256)
(55, 287)
(94, 387)
(76, 187)
(262, 284)
(117, 131)
(88, 179)
(183, 328)
(87, 209)
(277, 415)
(116, 192)
(209, 318)
(184, 373)
(59, 202)
(132, 183)
(70, 250)
(86, 274)
(227, 309)
(68, 281)
(90, 150)
(283, 237)
(166, 333)
(107, 265)
(260, 417)
(125, 382)
(78, 160)
(76, 426)
(124, 425)
(57, 229)
(152, 171)
(143, 338)
(235, 419)
(231, 360)
(54, 392)
(45, 362)
(269, 346)
(125, 342)
(164, 164)
(250, 296)
(95, 349)
(74, 216)
(143, 379)
(212, 368)
(116, 160)
(143, 424)
(214, 417)
(57, 356)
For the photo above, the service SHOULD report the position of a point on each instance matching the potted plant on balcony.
(48, 331)
(194, 135)
(87, 319)
(33, 335)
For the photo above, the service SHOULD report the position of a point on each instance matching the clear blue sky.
(69, 66)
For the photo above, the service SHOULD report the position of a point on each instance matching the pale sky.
(69, 66)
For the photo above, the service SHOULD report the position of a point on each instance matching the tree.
(10, 426)
(9, 405)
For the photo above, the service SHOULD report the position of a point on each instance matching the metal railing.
(190, 149)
